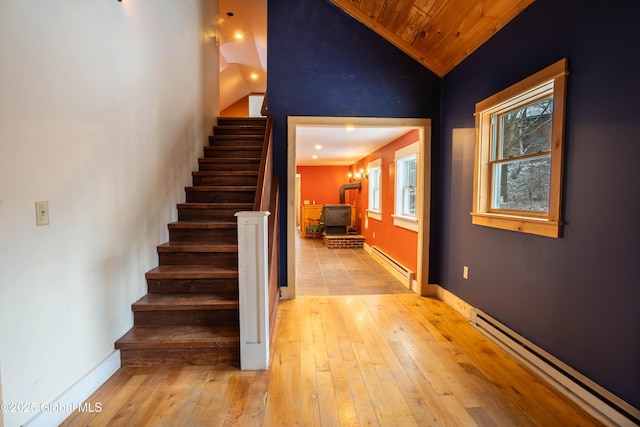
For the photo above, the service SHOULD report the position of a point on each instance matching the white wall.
(104, 109)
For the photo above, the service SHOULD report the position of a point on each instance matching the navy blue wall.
(322, 62)
(578, 297)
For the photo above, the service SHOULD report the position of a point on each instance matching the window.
(519, 155)
(406, 187)
(375, 190)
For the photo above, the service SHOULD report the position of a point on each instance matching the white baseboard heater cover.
(401, 272)
(596, 400)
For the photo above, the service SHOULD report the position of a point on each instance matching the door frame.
(424, 197)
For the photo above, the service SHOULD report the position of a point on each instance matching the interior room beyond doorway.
(301, 153)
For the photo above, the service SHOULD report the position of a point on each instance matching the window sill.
(405, 222)
(377, 215)
(540, 227)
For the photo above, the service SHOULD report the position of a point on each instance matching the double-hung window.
(375, 189)
(519, 155)
(406, 187)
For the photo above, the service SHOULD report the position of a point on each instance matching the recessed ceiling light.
(254, 76)
(314, 157)
(349, 128)
(318, 146)
(239, 36)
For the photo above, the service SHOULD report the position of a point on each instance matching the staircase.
(190, 314)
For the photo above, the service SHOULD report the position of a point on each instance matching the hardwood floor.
(380, 360)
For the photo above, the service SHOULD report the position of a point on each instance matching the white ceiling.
(340, 147)
(240, 58)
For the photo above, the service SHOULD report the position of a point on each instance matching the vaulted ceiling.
(437, 33)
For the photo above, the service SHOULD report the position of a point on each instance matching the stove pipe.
(356, 186)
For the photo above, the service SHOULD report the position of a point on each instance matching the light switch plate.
(42, 213)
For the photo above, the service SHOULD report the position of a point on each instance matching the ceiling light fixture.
(239, 36)
(349, 128)
(314, 157)
(318, 147)
(254, 76)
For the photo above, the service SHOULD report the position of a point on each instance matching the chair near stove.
(315, 227)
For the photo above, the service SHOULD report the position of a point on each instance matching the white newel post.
(253, 278)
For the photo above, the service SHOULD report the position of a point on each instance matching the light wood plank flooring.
(376, 360)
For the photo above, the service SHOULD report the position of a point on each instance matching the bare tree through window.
(521, 157)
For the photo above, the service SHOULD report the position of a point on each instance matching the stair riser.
(213, 153)
(200, 235)
(221, 214)
(217, 259)
(179, 357)
(257, 122)
(200, 196)
(248, 130)
(224, 180)
(248, 166)
(187, 317)
(194, 286)
(235, 140)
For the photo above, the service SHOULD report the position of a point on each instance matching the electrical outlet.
(374, 234)
(42, 213)
(465, 272)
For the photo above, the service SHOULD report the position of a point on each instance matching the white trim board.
(78, 393)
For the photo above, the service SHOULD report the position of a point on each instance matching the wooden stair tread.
(229, 160)
(177, 302)
(192, 272)
(221, 188)
(231, 147)
(257, 126)
(206, 205)
(197, 247)
(257, 119)
(224, 173)
(237, 136)
(179, 336)
(199, 225)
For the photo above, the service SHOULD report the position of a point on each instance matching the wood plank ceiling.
(437, 33)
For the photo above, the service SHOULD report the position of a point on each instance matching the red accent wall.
(400, 243)
(322, 183)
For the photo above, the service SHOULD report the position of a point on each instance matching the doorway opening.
(296, 150)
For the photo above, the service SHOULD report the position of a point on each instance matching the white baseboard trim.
(73, 399)
(450, 299)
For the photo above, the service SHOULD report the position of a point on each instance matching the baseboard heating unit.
(401, 272)
(600, 403)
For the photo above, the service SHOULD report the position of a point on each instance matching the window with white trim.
(375, 189)
(519, 155)
(406, 187)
